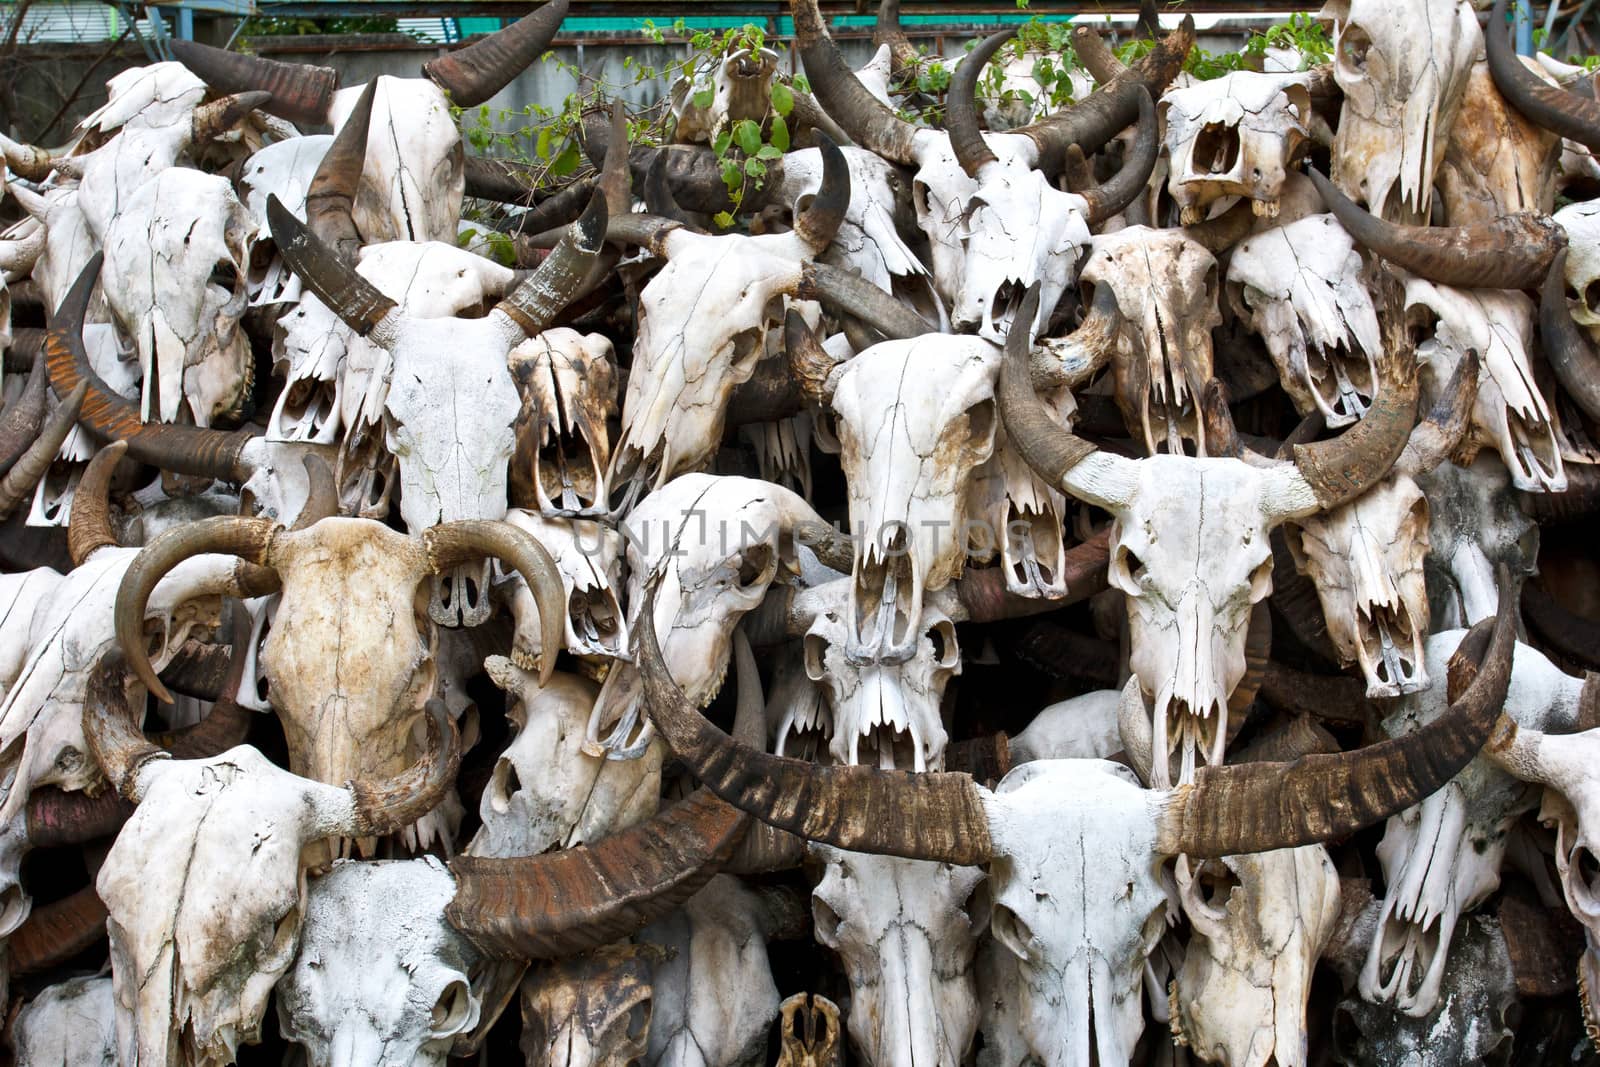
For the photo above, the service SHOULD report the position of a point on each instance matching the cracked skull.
(1237, 135)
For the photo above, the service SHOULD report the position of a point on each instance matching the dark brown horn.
(471, 75)
(567, 902)
(817, 216)
(1581, 498)
(115, 740)
(1441, 432)
(300, 92)
(20, 425)
(1571, 636)
(535, 303)
(387, 806)
(1259, 807)
(846, 292)
(887, 31)
(1557, 110)
(1096, 119)
(250, 539)
(1569, 352)
(1041, 442)
(227, 724)
(24, 475)
(56, 818)
(350, 296)
(869, 122)
(56, 932)
(192, 450)
(1124, 187)
(863, 809)
(322, 499)
(218, 117)
(658, 198)
(453, 543)
(331, 198)
(90, 527)
(1510, 252)
(808, 363)
(1095, 55)
(1342, 469)
(961, 105)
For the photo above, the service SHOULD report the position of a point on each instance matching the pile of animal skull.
(1126, 540)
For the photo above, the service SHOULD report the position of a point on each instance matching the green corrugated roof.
(785, 24)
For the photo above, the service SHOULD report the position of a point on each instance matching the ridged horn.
(24, 417)
(24, 475)
(1569, 352)
(564, 903)
(90, 526)
(473, 74)
(57, 931)
(869, 122)
(192, 450)
(1264, 806)
(863, 809)
(535, 303)
(887, 31)
(817, 216)
(115, 740)
(250, 539)
(300, 92)
(357, 302)
(1041, 442)
(1509, 252)
(1123, 188)
(1572, 116)
(808, 362)
(961, 105)
(846, 292)
(330, 202)
(1438, 435)
(390, 805)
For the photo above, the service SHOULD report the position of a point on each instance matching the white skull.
(1027, 516)
(1259, 922)
(1403, 68)
(1511, 415)
(177, 255)
(915, 418)
(1299, 287)
(1236, 135)
(73, 1022)
(381, 977)
(589, 557)
(414, 175)
(283, 169)
(568, 383)
(739, 87)
(1582, 225)
(546, 792)
(159, 93)
(1166, 289)
(907, 942)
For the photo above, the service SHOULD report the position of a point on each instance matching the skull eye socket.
(826, 922)
(1261, 580)
(1009, 929)
(816, 650)
(1354, 45)
(638, 1020)
(1585, 870)
(756, 565)
(452, 1011)
(946, 653)
(1127, 570)
(980, 425)
(1214, 885)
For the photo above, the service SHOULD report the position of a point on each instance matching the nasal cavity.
(1216, 149)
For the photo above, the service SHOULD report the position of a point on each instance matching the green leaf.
(722, 219)
(780, 134)
(802, 84)
(769, 152)
(732, 176)
(566, 162)
(720, 145)
(782, 99)
(748, 135)
(541, 147)
(755, 168)
(703, 98)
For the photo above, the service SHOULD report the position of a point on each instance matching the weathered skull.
(907, 941)
(1166, 289)
(1403, 68)
(589, 559)
(1582, 225)
(816, 1042)
(568, 384)
(888, 699)
(589, 1010)
(783, 451)
(1366, 559)
(1512, 415)
(381, 977)
(1299, 287)
(73, 1022)
(546, 792)
(739, 86)
(1026, 515)
(1237, 135)
(283, 169)
(1476, 524)
(915, 418)
(177, 255)
(1260, 922)
(1498, 161)
(414, 174)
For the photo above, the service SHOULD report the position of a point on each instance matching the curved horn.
(56, 818)
(212, 120)
(1124, 187)
(115, 740)
(331, 198)
(473, 74)
(658, 198)
(468, 540)
(808, 362)
(869, 122)
(387, 806)
(1510, 252)
(961, 105)
(1557, 110)
(536, 302)
(250, 539)
(192, 450)
(847, 292)
(26, 161)
(1095, 55)
(1441, 432)
(567, 902)
(25, 474)
(1263, 806)
(300, 92)
(90, 526)
(894, 813)
(817, 216)
(1569, 352)
(57, 931)
(1340, 470)
(887, 31)
(23, 418)
(1571, 636)
(350, 296)
(322, 499)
